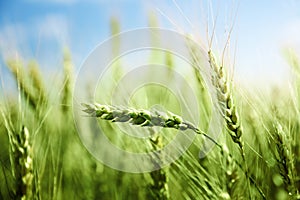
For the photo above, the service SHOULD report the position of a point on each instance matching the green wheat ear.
(23, 164)
(226, 101)
(139, 117)
(21, 161)
(285, 158)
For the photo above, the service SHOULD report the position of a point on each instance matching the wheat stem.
(67, 84)
(159, 187)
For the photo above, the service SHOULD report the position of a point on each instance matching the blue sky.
(39, 29)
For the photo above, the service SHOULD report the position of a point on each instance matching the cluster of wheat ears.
(229, 111)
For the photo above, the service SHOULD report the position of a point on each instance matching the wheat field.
(255, 156)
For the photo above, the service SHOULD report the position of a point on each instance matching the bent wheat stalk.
(142, 118)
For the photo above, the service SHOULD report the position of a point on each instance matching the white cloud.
(12, 40)
(54, 27)
(290, 33)
(18, 38)
(41, 39)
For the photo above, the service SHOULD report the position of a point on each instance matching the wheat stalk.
(67, 84)
(159, 186)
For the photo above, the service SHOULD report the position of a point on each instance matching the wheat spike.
(285, 159)
(228, 108)
(139, 117)
(143, 118)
